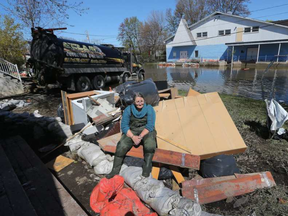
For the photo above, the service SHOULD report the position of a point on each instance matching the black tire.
(141, 76)
(83, 84)
(98, 82)
(125, 77)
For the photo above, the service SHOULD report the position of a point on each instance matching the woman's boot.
(148, 164)
(116, 167)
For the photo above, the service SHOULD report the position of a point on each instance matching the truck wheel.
(98, 82)
(83, 84)
(125, 77)
(141, 76)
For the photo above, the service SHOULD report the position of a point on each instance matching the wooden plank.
(70, 111)
(44, 197)
(59, 163)
(164, 95)
(16, 201)
(155, 172)
(69, 205)
(184, 160)
(174, 92)
(64, 104)
(81, 94)
(218, 190)
(40, 179)
(177, 174)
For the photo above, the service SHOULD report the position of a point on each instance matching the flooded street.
(247, 83)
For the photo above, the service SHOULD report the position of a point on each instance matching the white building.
(221, 36)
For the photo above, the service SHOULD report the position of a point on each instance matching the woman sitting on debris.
(138, 126)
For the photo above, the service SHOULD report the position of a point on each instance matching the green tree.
(129, 34)
(12, 44)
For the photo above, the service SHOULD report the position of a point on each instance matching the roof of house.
(281, 22)
(231, 15)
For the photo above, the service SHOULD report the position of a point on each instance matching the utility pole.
(87, 36)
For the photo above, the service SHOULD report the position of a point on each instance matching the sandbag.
(148, 189)
(109, 198)
(92, 154)
(147, 87)
(221, 165)
(165, 201)
(103, 167)
(131, 175)
(186, 207)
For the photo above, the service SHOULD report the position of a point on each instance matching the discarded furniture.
(210, 190)
(76, 106)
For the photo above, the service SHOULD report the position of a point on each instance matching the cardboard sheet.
(201, 123)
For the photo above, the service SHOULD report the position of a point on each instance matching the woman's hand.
(136, 140)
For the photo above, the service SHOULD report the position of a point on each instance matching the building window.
(255, 29)
(205, 34)
(221, 32)
(174, 54)
(247, 29)
(227, 31)
(199, 34)
(196, 54)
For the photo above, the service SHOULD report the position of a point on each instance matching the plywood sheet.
(59, 163)
(201, 123)
(192, 92)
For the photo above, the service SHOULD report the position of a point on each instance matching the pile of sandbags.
(153, 192)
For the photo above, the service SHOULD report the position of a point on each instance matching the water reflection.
(248, 83)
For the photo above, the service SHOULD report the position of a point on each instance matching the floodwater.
(252, 83)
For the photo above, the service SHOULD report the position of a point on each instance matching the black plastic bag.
(221, 165)
(147, 88)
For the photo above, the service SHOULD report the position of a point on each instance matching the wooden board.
(59, 163)
(184, 160)
(45, 194)
(200, 123)
(14, 200)
(192, 92)
(214, 189)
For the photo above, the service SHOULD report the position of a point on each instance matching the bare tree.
(153, 33)
(129, 34)
(195, 10)
(44, 13)
(237, 7)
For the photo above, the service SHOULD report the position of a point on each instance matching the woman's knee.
(149, 147)
(122, 148)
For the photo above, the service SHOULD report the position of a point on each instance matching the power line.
(241, 21)
(269, 7)
(85, 34)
